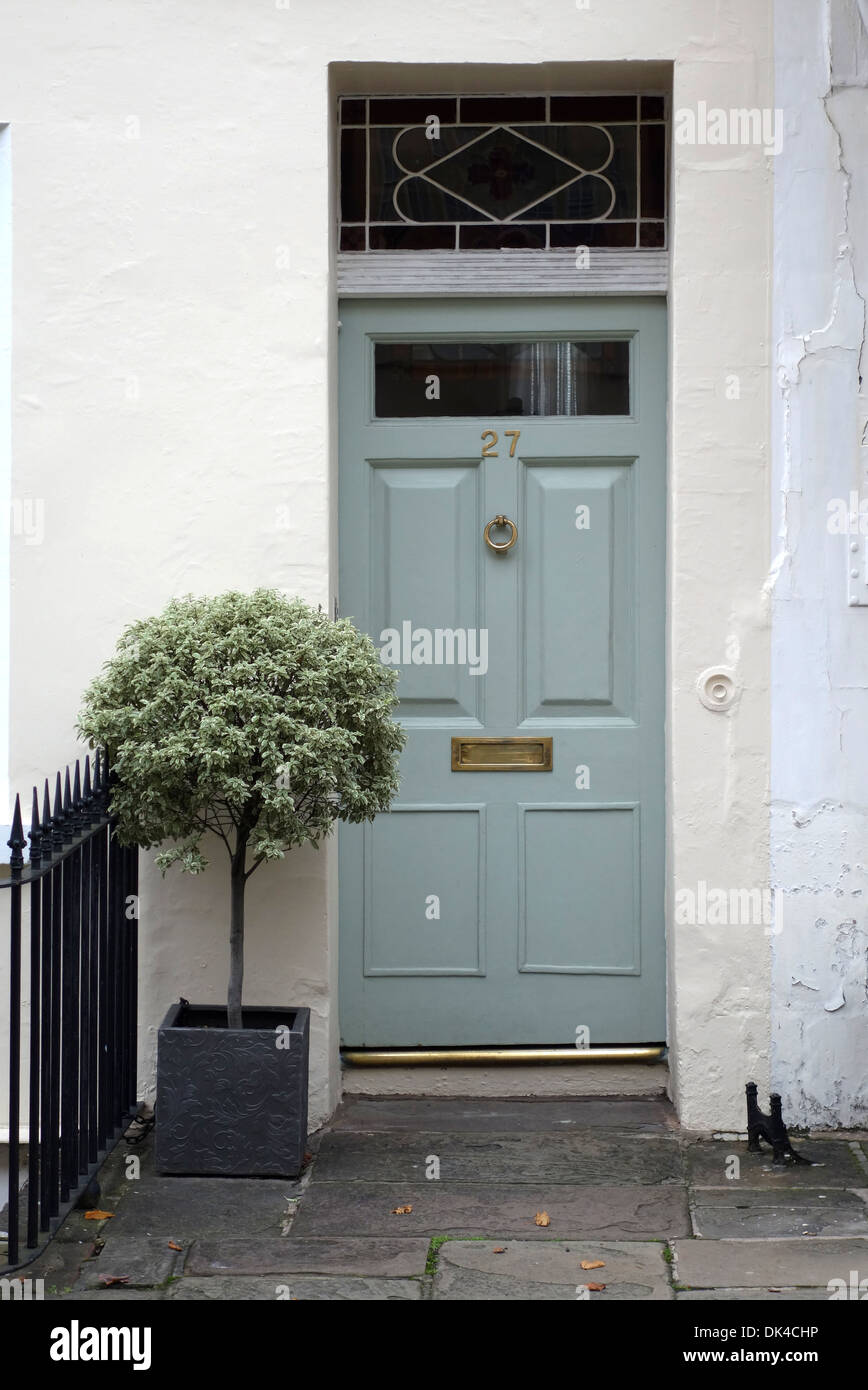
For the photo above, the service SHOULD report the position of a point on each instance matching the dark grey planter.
(231, 1102)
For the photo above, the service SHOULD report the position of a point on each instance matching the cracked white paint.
(819, 817)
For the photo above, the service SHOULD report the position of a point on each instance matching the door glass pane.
(591, 377)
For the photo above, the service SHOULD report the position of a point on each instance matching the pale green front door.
(506, 906)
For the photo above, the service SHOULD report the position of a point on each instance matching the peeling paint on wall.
(819, 817)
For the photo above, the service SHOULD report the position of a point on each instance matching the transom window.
(481, 173)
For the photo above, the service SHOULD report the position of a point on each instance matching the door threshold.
(493, 1056)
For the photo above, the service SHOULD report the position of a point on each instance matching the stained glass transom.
(481, 173)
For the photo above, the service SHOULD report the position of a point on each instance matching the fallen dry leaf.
(593, 1264)
(173, 1245)
(595, 1288)
(98, 1215)
(108, 1279)
(499, 1250)
(542, 1218)
(401, 1211)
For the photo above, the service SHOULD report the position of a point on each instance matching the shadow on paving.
(477, 1200)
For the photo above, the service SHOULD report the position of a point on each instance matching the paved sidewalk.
(653, 1212)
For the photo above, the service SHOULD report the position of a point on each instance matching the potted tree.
(257, 722)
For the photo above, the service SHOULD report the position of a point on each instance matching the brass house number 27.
(489, 442)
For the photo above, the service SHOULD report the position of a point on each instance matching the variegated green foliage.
(251, 715)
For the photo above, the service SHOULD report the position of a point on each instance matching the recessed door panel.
(579, 888)
(425, 581)
(425, 909)
(578, 655)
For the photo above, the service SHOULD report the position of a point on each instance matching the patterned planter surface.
(232, 1102)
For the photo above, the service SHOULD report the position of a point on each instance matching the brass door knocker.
(500, 546)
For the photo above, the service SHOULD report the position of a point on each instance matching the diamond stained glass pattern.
(430, 173)
(500, 174)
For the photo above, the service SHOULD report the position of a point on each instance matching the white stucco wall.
(174, 388)
(5, 448)
(820, 642)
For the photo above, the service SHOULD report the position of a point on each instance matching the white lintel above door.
(513, 272)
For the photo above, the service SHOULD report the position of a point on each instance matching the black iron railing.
(78, 895)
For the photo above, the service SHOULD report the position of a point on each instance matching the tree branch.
(255, 865)
(216, 828)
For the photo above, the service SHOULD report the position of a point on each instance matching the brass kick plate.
(509, 1056)
(501, 755)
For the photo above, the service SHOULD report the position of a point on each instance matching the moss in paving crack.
(433, 1252)
(669, 1255)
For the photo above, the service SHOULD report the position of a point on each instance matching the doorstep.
(553, 1079)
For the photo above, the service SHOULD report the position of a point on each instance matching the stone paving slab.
(299, 1288)
(776, 1295)
(469, 1209)
(183, 1208)
(298, 1255)
(720, 1213)
(60, 1263)
(599, 1157)
(537, 1270)
(116, 1185)
(501, 1116)
(116, 1295)
(148, 1263)
(767, 1264)
(707, 1163)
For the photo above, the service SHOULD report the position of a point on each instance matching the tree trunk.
(236, 932)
